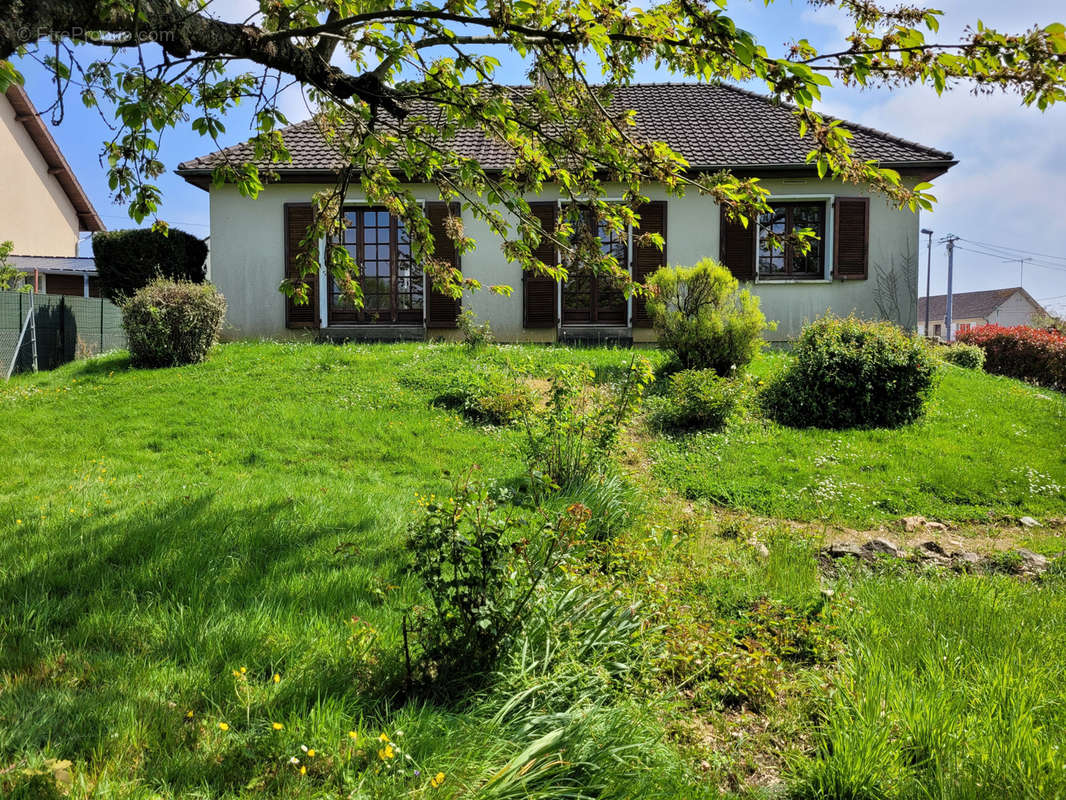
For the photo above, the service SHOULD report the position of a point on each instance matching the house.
(1006, 307)
(43, 208)
(867, 247)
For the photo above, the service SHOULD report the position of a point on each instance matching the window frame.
(624, 241)
(394, 314)
(828, 203)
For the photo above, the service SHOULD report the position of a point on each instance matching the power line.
(1055, 267)
(1015, 249)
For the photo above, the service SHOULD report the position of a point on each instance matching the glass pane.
(383, 219)
(370, 236)
(384, 251)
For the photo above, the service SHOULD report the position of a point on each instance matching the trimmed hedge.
(128, 260)
(170, 324)
(849, 373)
(1022, 352)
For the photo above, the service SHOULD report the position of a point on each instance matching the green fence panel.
(67, 328)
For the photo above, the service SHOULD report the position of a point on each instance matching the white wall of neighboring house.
(1016, 310)
(35, 212)
(248, 240)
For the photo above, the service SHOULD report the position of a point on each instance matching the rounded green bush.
(969, 356)
(170, 323)
(697, 399)
(704, 318)
(848, 373)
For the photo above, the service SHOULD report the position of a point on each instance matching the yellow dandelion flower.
(236, 674)
(222, 726)
(303, 770)
(277, 726)
(383, 738)
(389, 752)
(244, 670)
(437, 780)
(277, 678)
(353, 735)
(311, 753)
(18, 522)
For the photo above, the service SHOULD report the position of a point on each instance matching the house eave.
(923, 170)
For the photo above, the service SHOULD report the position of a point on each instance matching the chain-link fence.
(66, 328)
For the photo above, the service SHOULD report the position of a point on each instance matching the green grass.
(167, 528)
(951, 688)
(986, 446)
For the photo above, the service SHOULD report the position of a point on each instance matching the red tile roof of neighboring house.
(27, 114)
(970, 305)
(713, 126)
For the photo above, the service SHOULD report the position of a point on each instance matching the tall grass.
(950, 689)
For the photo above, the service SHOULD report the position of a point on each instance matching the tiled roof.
(710, 125)
(968, 305)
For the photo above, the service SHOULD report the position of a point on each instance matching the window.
(964, 326)
(782, 260)
(595, 298)
(936, 330)
(391, 280)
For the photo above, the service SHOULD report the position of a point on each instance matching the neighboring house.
(1006, 307)
(43, 208)
(865, 261)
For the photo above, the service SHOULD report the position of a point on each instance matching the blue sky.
(1007, 190)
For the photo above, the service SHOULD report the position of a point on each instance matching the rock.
(1032, 562)
(1028, 522)
(880, 547)
(912, 524)
(842, 549)
(759, 547)
(966, 561)
(931, 548)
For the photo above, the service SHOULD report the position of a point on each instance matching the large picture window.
(783, 260)
(391, 280)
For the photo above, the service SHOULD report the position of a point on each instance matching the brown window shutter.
(851, 238)
(736, 247)
(648, 258)
(442, 311)
(540, 294)
(298, 218)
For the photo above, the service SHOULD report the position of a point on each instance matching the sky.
(1006, 192)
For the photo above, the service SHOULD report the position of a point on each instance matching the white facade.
(248, 260)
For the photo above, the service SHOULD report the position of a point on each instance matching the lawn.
(987, 448)
(195, 554)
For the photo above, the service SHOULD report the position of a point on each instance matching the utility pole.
(928, 275)
(950, 240)
(1021, 267)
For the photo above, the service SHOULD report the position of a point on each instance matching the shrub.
(481, 562)
(848, 373)
(697, 399)
(1022, 352)
(474, 336)
(490, 398)
(128, 260)
(172, 323)
(703, 318)
(964, 355)
(573, 436)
